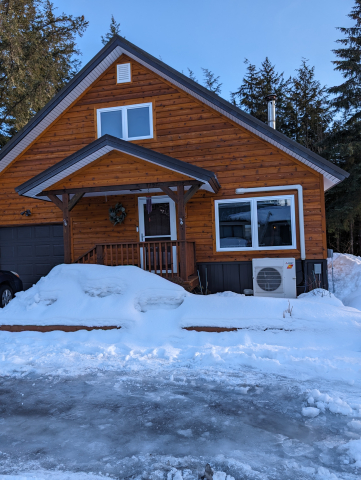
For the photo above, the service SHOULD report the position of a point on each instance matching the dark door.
(31, 251)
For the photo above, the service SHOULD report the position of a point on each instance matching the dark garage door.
(31, 251)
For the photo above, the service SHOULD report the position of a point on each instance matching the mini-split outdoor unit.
(274, 277)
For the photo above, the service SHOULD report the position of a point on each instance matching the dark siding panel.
(236, 276)
(31, 251)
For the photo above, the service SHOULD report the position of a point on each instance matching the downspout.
(301, 222)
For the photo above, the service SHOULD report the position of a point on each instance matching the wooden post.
(66, 229)
(99, 254)
(182, 232)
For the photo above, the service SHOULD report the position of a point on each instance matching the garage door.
(31, 251)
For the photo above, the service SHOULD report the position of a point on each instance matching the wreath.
(117, 214)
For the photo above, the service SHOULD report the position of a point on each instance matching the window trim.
(254, 223)
(124, 109)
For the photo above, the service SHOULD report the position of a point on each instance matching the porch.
(127, 173)
(173, 260)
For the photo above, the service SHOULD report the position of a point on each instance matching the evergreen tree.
(114, 29)
(37, 49)
(343, 145)
(211, 82)
(256, 85)
(191, 75)
(310, 112)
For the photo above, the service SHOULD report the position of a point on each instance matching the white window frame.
(254, 223)
(124, 109)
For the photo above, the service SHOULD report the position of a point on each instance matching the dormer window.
(131, 122)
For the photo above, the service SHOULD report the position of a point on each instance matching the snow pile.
(314, 336)
(354, 449)
(347, 278)
(92, 295)
(324, 402)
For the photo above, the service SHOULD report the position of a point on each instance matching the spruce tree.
(343, 145)
(211, 82)
(310, 111)
(256, 85)
(37, 58)
(191, 75)
(114, 29)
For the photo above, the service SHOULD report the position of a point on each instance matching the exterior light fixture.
(27, 213)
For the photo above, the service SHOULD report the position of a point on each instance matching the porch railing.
(168, 259)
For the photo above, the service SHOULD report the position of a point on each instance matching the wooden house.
(205, 187)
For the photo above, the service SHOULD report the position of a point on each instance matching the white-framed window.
(256, 223)
(131, 122)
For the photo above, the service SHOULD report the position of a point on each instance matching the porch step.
(189, 285)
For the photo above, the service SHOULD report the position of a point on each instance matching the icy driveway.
(170, 426)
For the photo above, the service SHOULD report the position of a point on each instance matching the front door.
(159, 225)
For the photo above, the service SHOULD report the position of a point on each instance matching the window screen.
(111, 123)
(138, 122)
(235, 225)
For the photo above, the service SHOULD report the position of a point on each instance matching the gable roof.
(102, 146)
(109, 54)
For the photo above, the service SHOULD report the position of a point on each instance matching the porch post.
(182, 232)
(66, 228)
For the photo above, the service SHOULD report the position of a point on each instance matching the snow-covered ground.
(310, 345)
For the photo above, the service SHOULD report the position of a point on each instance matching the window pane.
(157, 222)
(274, 223)
(111, 123)
(235, 224)
(138, 122)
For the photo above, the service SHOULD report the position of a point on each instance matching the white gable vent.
(123, 73)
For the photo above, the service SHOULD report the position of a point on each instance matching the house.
(205, 186)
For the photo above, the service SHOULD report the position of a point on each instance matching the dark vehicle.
(10, 283)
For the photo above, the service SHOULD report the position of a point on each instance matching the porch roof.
(39, 186)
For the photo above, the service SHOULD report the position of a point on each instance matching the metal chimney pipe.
(271, 99)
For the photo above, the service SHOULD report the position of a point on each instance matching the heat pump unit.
(274, 277)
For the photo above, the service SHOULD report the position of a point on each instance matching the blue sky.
(220, 34)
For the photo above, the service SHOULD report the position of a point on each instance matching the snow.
(315, 349)
(310, 412)
(320, 339)
(347, 278)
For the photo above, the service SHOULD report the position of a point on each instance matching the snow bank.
(92, 295)
(347, 279)
(319, 339)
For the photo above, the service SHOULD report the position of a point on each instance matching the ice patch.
(324, 474)
(186, 433)
(51, 475)
(355, 424)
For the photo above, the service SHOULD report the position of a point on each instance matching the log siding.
(185, 129)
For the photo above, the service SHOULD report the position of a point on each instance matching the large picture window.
(258, 223)
(131, 122)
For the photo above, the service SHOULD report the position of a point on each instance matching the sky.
(220, 34)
